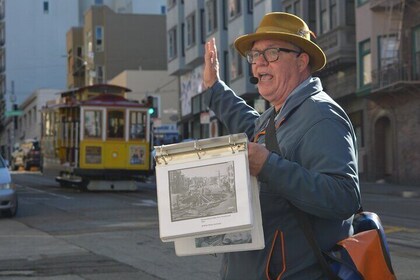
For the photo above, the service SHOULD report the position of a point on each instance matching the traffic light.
(152, 102)
(151, 111)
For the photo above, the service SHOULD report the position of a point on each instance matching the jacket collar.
(303, 91)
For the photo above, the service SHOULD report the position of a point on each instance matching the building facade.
(33, 50)
(338, 26)
(388, 45)
(109, 43)
(28, 124)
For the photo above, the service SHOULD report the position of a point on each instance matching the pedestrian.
(315, 165)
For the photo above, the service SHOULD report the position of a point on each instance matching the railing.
(382, 4)
(392, 74)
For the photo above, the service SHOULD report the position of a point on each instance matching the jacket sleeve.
(322, 179)
(232, 110)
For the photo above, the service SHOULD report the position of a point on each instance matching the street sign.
(14, 113)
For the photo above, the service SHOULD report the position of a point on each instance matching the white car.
(8, 196)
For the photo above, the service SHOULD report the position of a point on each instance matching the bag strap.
(272, 145)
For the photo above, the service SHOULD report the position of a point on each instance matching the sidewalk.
(390, 189)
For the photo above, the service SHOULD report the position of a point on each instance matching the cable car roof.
(99, 88)
(111, 100)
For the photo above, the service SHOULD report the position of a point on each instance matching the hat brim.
(317, 57)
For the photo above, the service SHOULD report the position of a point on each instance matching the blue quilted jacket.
(316, 171)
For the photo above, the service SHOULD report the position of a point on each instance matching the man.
(315, 167)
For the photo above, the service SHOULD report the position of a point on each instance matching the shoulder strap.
(272, 145)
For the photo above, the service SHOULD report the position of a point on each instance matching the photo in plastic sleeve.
(226, 239)
(202, 191)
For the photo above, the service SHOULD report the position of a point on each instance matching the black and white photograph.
(203, 191)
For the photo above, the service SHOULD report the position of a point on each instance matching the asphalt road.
(62, 233)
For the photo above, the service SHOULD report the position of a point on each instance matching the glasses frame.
(251, 58)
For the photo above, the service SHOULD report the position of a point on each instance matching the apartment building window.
(361, 2)
(293, 7)
(388, 50)
(296, 7)
(172, 44)
(191, 30)
(350, 13)
(1, 9)
(235, 64)
(100, 75)
(365, 62)
(211, 13)
(234, 8)
(46, 7)
(312, 15)
(324, 17)
(99, 38)
(416, 52)
(250, 5)
(333, 14)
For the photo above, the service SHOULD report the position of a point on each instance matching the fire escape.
(394, 70)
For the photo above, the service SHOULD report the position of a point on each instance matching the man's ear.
(303, 61)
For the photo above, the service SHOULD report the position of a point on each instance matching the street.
(62, 233)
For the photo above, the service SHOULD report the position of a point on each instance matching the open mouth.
(265, 77)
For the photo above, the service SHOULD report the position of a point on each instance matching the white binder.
(204, 189)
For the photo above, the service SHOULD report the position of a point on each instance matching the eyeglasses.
(269, 54)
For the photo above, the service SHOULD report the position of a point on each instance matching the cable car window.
(115, 123)
(137, 125)
(93, 123)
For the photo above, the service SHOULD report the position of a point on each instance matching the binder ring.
(163, 156)
(231, 145)
(197, 149)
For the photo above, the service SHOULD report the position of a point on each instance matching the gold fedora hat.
(286, 27)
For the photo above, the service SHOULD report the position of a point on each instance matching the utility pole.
(13, 101)
(15, 120)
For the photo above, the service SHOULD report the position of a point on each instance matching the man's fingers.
(214, 48)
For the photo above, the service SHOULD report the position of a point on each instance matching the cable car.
(94, 138)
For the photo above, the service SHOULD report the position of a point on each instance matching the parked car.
(8, 196)
(27, 154)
